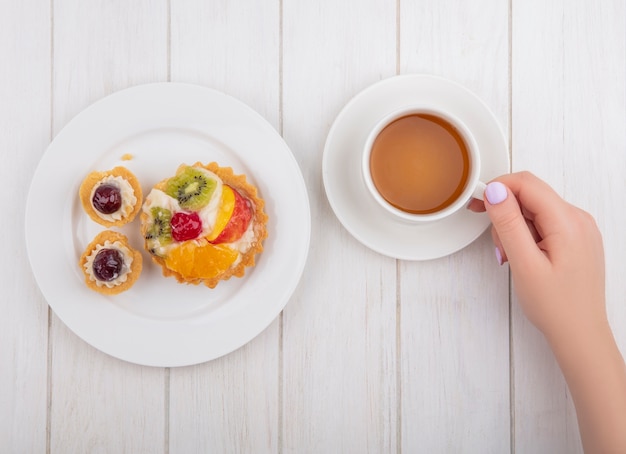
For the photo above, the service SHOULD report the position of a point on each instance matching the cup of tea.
(422, 164)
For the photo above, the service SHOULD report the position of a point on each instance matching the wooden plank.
(454, 311)
(101, 404)
(230, 404)
(230, 47)
(543, 415)
(594, 133)
(569, 109)
(24, 134)
(339, 340)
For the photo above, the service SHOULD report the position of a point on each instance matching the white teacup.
(421, 163)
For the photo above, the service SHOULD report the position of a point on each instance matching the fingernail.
(496, 192)
(499, 256)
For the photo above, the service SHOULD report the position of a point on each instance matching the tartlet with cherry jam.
(111, 198)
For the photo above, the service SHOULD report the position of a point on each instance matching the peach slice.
(225, 212)
(238, 222)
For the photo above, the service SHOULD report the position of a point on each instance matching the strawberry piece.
(186, 226)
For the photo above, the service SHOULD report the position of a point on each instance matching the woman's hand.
(554, 250)
(556, 258)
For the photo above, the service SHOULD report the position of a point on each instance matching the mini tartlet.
(111, 198)
(110, 264)
(204, 224)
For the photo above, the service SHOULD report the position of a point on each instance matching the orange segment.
(180, 258)
(213, 259)
(202, 261)
(225, 211)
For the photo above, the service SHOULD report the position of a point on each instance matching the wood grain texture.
(339, 345)
(231, 47)
(24, 134)
(231, 404)
(455, 337)
(100, 404)
(543, 412)
(568, 117)
(370, 354)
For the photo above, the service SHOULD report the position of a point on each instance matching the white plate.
(345, 188)
(159, 322)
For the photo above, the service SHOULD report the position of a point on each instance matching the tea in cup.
(422, 163)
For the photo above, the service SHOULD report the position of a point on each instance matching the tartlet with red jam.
(110, 264)
(111, 198)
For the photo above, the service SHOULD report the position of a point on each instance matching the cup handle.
(479, 190)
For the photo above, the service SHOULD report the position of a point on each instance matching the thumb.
(507, 219)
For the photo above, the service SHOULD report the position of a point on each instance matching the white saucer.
(346, 191)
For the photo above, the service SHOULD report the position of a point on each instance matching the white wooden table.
(371, 354)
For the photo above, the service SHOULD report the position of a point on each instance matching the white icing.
(127, 193)
(158, 198)
(128, 260)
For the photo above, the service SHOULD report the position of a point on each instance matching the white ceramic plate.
(159, 322)
(355, 207)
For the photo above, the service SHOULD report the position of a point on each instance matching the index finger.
(538, 201)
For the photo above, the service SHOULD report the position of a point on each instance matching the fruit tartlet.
(110, 264)
(111, 198)
(204, 225)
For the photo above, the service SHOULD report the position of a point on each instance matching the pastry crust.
(135, 267)
(93, 179)
(259, 222)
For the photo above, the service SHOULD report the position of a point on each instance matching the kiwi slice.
(192, 188)
(160, 231)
